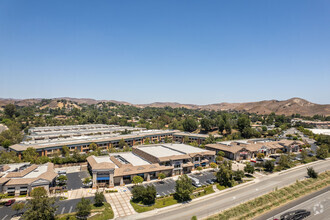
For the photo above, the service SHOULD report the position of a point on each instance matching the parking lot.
(68, 206)
(167, 186)
(65, 206)
(75, 179)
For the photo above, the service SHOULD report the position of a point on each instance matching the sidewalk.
(120, 203)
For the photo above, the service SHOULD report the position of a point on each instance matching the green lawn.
(107, 212)
(204, 191)
(104, 212)
(160, 203)
(221, 187)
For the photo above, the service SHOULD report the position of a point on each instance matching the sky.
(186, 51)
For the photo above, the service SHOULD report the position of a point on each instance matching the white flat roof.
(12, 167)
(159, 151)
(321, 131)
(133, 159)
(184, 148)
(37, 172)
(104, 159)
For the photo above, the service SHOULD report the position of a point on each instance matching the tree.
(303, 154)
(87, 180)
(183, 188)
(228, 127)
(149, 195)
(269, 166)
(146, 195)
(66, 151)
(10, 110)
(221, 125)
(238, 175)
(93, 147)
(206, 124)
(225, 176)
(284, 161)
(243, 122)
(8, 157)
(213, 165)
(167, 139)
(40, 206)
(249, 168)
(138, 193)
(122, 143)
(30, 155)
(83, 208)
(260, 155)
(146, 141)
(137, 180)
(18, 207)
(98, 199)
(312, 173)
(62, 179)
(161, 176)
(189, 124)
(322, 151)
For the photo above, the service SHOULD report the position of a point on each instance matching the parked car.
(157, 195)
(297, 214)
(209, 181)
(10, 202)
(88, 185)
(61, 172)
(195, 182)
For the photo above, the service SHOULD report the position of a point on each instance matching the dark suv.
(295, 215)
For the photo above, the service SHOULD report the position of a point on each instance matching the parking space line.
(70, 209)
(63, 210)
(4, 217)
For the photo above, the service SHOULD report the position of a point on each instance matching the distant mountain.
(286, 107)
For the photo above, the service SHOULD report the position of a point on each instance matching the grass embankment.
(100, 213)
(274, 199)
(169, 200)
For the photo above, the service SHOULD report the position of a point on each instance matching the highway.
(318, 203)
(223, 200)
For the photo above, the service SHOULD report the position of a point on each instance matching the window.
(177, 166)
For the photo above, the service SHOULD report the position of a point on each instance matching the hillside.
(286, 107)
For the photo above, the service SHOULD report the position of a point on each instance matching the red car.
(10, 202)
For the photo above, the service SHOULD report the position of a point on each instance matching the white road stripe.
(4, 217)
(70, 209)
(63, 210)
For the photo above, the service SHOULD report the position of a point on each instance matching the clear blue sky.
(185, 51)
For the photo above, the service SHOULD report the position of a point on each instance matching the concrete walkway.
(120, 203)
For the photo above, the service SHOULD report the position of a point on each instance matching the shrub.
(99, 199)
(269, 166)
(312, 173)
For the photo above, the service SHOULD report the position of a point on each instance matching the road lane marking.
(70, 209)
(63, 210)
(4, 217)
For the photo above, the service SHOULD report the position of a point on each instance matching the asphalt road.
(218, 202)
(318, 203)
